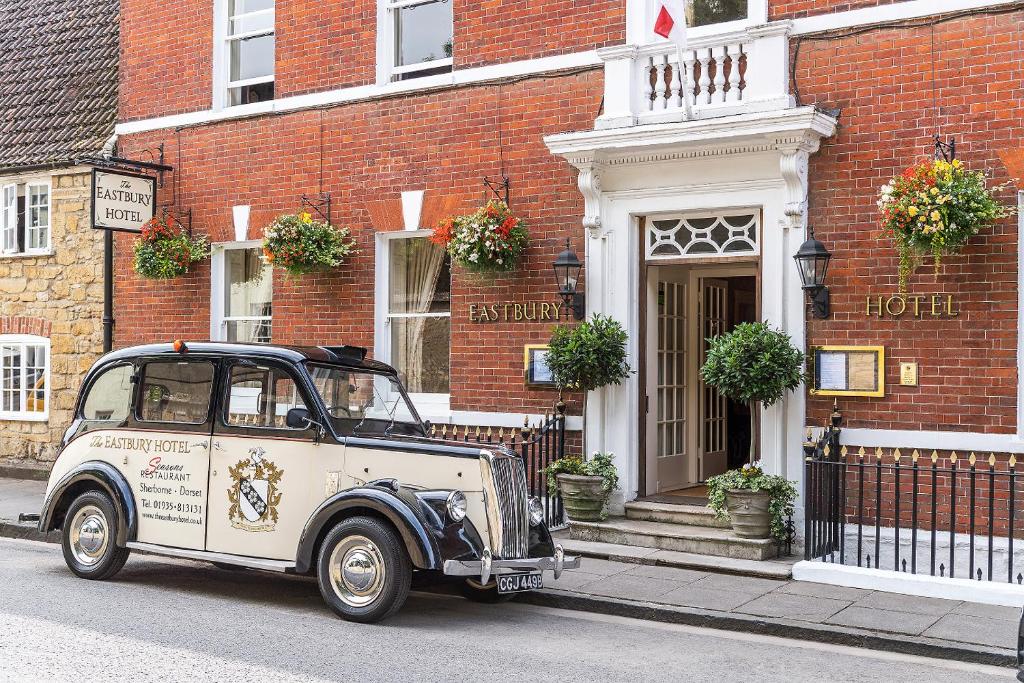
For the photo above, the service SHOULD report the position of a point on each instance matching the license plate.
(518, 583)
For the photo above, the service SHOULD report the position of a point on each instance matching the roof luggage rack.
(356, 353)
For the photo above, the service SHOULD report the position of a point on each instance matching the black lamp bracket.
(820, 301)
(945, 150)
(500, 189)
(319, 204)
(576, 303)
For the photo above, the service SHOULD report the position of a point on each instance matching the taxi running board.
(206, 556)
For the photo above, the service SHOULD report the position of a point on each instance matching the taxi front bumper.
(487, 566)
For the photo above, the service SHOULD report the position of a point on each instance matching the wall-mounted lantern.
(812, 261)
(567, 274)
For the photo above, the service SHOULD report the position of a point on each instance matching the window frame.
(223, 39)
(757, 14)
(430, 406)
(218, 291)
(80, 413)
(29, 229)
(138, 395)
(224, 423)
(23, 341)
(387, 54)
(14, 224)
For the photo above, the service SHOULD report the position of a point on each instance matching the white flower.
(474, 257)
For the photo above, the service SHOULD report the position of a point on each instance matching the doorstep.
(779, 569)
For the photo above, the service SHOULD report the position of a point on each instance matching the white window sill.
(27, 254)
(24, 417)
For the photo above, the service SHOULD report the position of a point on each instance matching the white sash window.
(242, 291)
(244, 52)
(414, 38)
(24, 377)
(25, 218)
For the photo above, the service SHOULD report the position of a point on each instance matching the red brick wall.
(882, 81)
(166, 62)
(793, 9)
(490, 31)
(324, 45)
(443, 143)
(167, 47)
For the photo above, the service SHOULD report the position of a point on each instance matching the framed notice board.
(849, 371)
(535, 366)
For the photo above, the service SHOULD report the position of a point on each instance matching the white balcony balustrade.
(730, 73)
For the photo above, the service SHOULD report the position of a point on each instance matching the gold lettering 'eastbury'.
(530, 311)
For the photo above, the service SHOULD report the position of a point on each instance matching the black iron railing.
(538, 445)
(946, 516)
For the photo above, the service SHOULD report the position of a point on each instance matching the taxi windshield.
(362, 403)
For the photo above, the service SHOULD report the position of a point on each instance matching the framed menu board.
(849, 371)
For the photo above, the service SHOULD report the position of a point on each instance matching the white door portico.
(756, 160)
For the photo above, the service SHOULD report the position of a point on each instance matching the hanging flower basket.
(487, 241)
(933, 208)
(300, 244)
(165, 250)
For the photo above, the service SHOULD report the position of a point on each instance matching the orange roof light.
(179, 346)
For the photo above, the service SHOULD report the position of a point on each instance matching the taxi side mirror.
(298, 418)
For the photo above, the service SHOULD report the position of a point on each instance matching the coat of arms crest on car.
(253, 493)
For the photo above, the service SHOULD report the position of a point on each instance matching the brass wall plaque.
(908, 374)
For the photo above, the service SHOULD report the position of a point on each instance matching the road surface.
(169, 620)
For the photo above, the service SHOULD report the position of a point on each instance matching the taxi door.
(261, 488)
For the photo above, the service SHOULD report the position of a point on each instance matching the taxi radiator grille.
(510, 486)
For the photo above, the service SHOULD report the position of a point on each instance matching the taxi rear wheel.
(89, 537)
(363, 570)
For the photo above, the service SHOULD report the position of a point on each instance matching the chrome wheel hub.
(89, 535)
(357, 571)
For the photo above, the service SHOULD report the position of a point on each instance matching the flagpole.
(684, 82)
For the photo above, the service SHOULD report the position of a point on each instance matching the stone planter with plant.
(583, 358)
(584, 485)
(756, 504)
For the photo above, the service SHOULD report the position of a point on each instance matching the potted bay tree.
(583, 358)
(753, 364)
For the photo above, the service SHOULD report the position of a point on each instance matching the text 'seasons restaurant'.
(685, 178)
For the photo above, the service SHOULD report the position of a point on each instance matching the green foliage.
(589, 355)
(301, 245)
(599, 465)
(706, 12)
(753, 478)
(752, 363)
(165, 250)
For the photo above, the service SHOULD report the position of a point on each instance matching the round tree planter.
(583, 496)
(748, 513)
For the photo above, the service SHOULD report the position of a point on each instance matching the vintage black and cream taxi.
(297, 459)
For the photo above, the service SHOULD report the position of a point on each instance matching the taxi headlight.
(457, 506)
(536, 510)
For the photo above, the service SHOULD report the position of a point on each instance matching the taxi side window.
(261, 397)
(176, 392)
(110, 396)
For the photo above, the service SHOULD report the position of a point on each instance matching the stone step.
(780, 569)
(694, 515)
(684, 538)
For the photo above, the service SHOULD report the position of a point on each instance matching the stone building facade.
(54, 300)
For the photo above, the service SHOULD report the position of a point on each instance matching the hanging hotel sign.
(912, 305)
(849, 371)
(122, 201)
(507, 312)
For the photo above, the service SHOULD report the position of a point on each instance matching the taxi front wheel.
(363, 570)
(89, 537)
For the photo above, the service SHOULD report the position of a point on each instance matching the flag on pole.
(671, 22)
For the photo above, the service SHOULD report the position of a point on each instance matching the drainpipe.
(108, 265)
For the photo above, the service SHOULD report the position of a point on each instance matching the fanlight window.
(704, 236)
